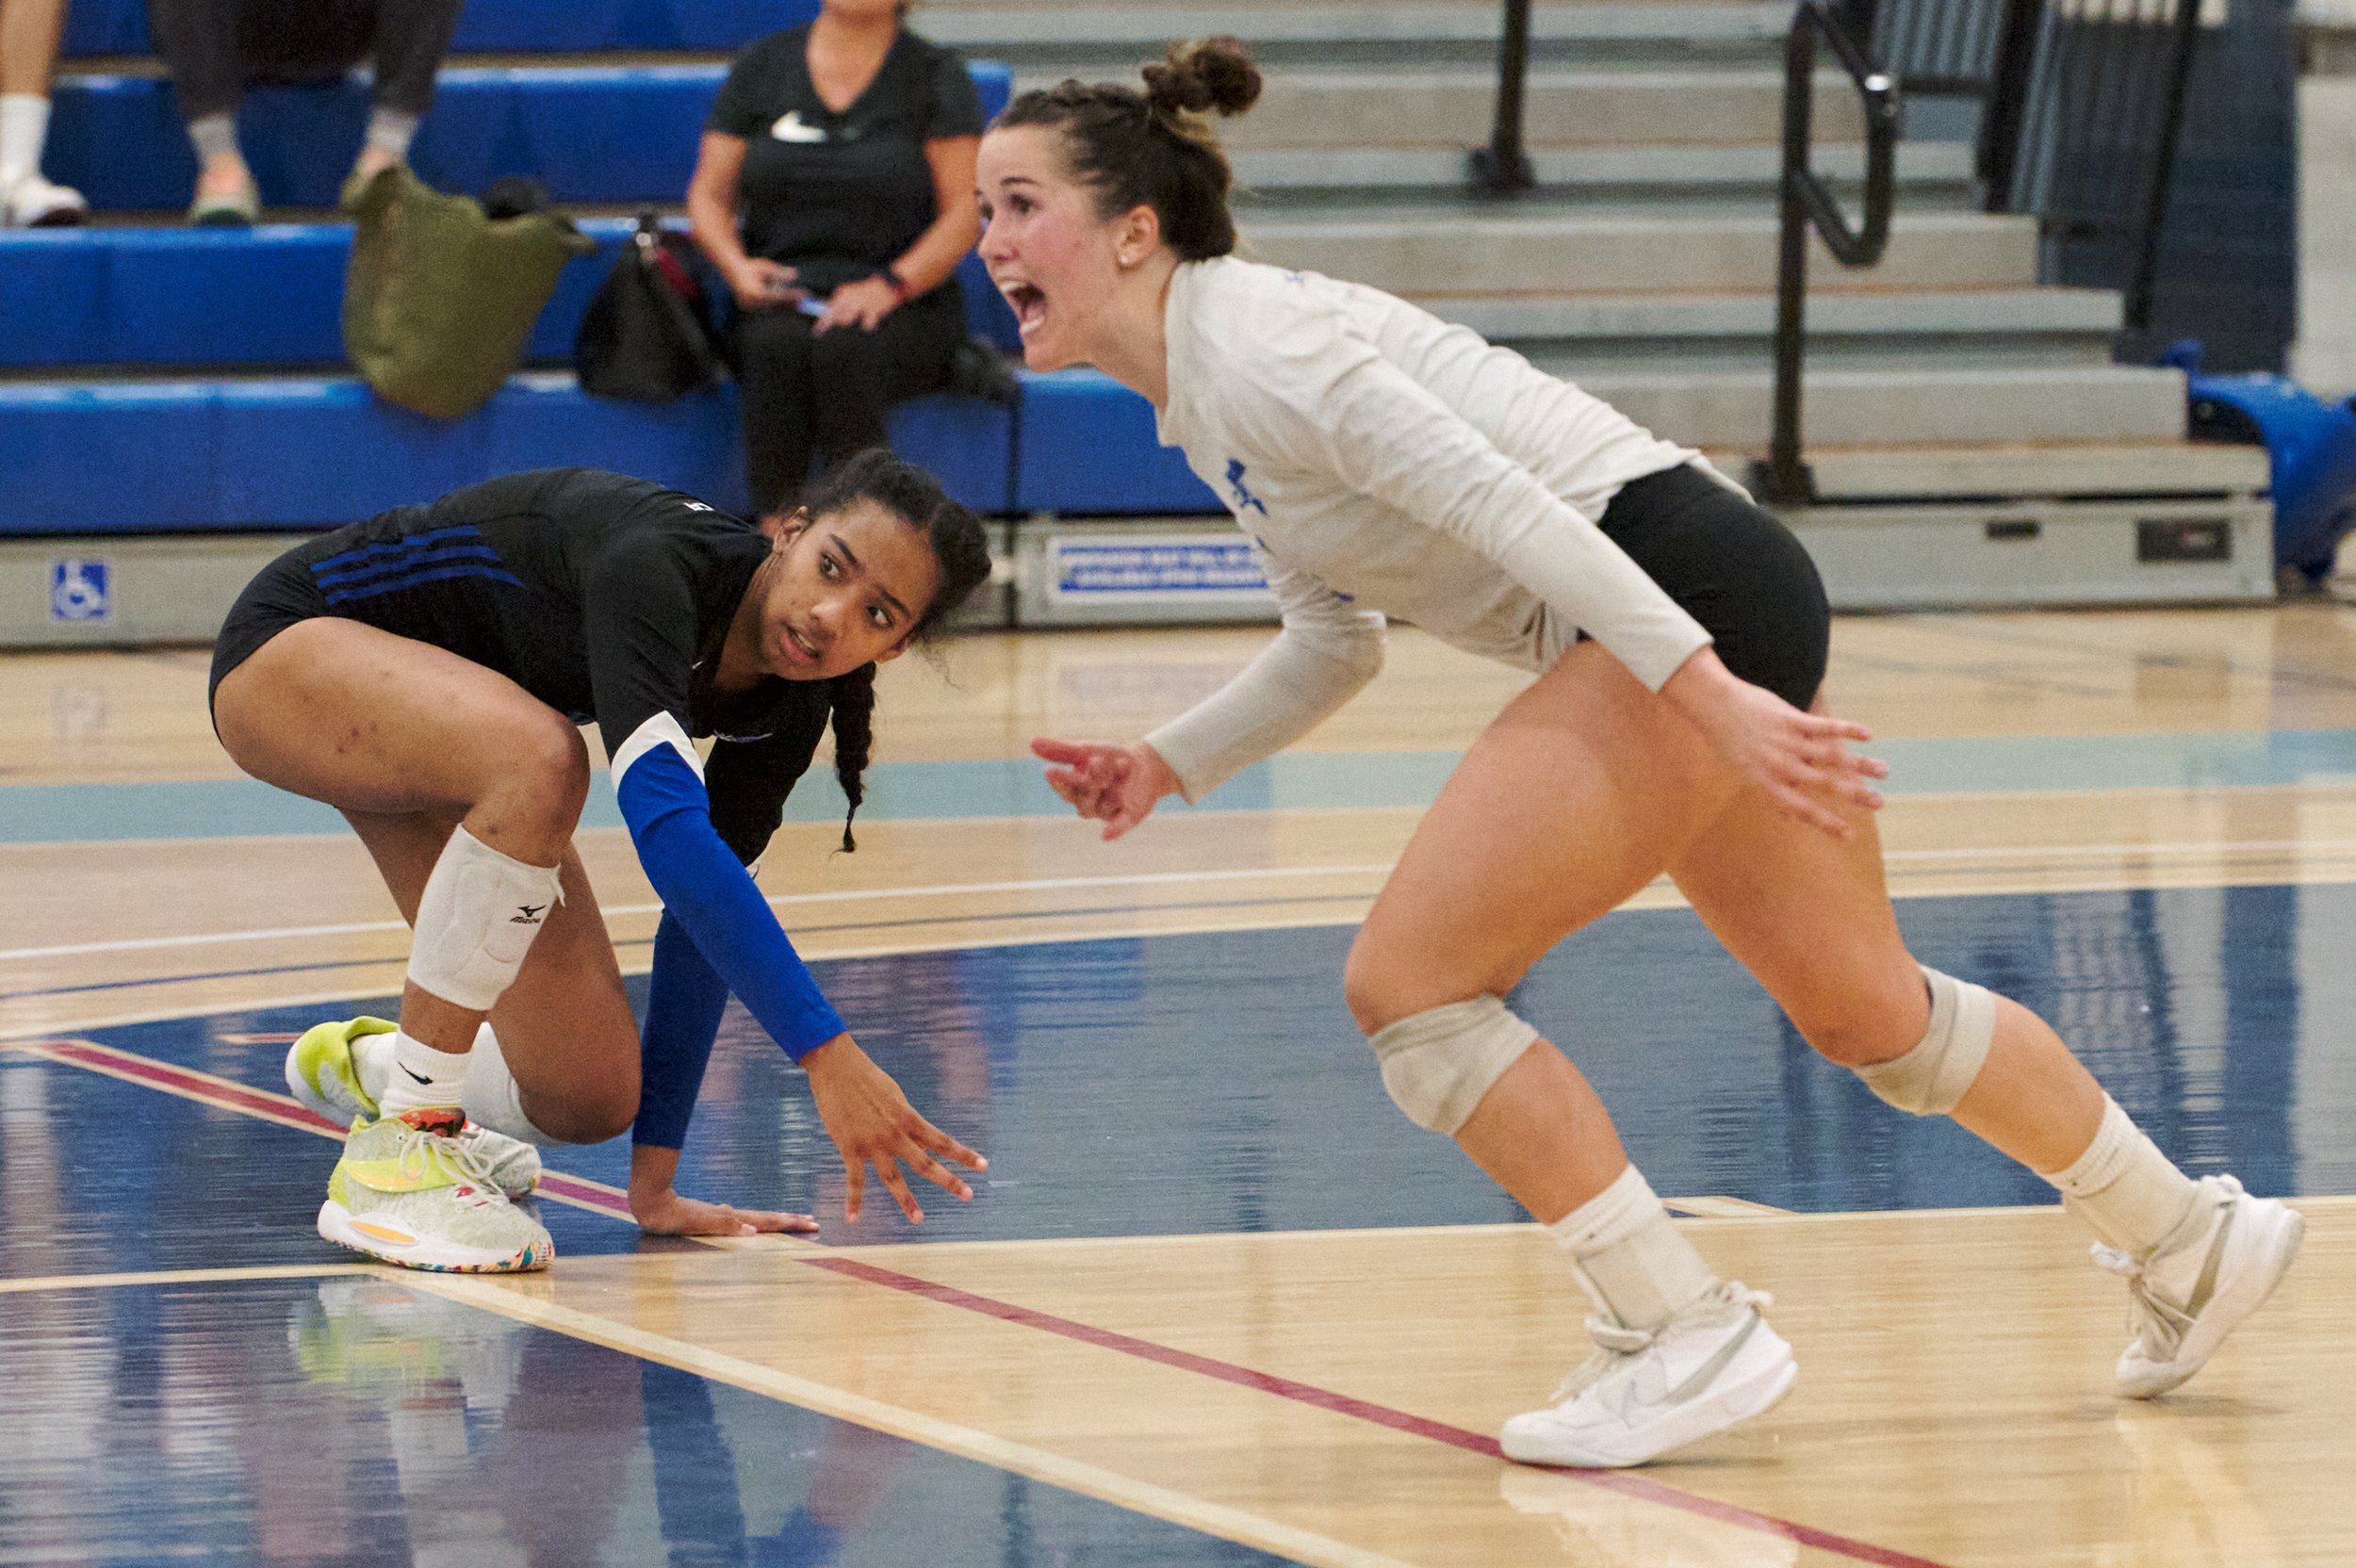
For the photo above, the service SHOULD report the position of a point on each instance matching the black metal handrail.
(1502, 168)
(1807, 204)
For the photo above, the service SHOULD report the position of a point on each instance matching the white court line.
(1166, 878)
(951, 890)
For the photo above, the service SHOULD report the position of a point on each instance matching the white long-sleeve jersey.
(1385, 461)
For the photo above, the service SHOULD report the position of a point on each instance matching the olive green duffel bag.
(439, 298)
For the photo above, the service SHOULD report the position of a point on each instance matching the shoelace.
(2152, 1318)
(416, 1148)
(1618, 1345)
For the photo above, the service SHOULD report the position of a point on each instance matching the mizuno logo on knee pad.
(526, 914)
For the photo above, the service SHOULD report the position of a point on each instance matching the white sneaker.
(1715, 1364)
(34, 202)
(2185, 1297)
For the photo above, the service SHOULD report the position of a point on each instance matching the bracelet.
(898, 284)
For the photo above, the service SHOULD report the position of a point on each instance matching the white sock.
(213, 135)
(422, 1077)
(1631, 1260)
(494, 1098)
(2122, 1186)
(391, 130)
(23, 131)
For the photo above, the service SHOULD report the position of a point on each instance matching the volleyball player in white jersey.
(1387, 463)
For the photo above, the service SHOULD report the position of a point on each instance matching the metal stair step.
(1904, 407)
(1460, 254)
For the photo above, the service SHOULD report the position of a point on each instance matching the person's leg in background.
(410, 39)
(198, 40)
(29, 30)
(863, 371)
(771, 354)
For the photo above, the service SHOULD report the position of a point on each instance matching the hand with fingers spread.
(873, 1123)
(1115, 785)
(1801, 759)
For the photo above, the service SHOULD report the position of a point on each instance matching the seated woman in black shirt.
(847, 148)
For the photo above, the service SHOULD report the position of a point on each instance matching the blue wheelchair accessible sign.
(80, 591)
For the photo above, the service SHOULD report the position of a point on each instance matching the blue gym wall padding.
(271, 295)
(208, 456)
(1088, 445)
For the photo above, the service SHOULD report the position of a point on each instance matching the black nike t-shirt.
(605, 597)
(841, 196)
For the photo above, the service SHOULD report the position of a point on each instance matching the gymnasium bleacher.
(180, 397)
(188, 387)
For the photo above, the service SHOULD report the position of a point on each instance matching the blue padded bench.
(269, 295)
(212, 456)
(592, 134)
(511, 26)
(1087, 446)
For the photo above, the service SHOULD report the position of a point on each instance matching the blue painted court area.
(1214, 1083)
(352, 1420)
(1305, 780)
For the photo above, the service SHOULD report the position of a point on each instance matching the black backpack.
(647, 332)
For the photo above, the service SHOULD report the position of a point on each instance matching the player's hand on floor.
(667, 1214)
(1115, 785)
(873, 1123)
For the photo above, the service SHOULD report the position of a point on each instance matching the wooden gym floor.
(1218, 1302)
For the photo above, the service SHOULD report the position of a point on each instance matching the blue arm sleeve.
(701, 882)
(685, 997)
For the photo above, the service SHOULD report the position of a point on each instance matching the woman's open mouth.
(1028, 304)
(798, 648)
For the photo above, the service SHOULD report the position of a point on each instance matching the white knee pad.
(1933, 1078)
(1438, 1064)
(475, 920)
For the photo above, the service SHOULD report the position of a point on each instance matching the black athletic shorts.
(280, 594)
(1734, 568)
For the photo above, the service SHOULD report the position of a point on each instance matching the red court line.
(280, 1108)
(1625, 1483)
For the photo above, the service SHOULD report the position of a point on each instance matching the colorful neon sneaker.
(330, 1069)
(2198, 1285)
(323, 1069)
(1641, 1394)
(409, 1192)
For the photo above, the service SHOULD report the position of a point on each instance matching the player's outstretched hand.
(1802, 760)
(1115, 785)
(666, 1214)
(873, 1123)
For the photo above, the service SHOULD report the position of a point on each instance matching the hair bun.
(1213, 73)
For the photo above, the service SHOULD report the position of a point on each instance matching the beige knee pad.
(1438, 1064)
(1933, 1078)
(476, 920)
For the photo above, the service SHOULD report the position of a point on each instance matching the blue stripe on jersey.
(700, 880)
(397, 546)
(439, 574)
(351, 575)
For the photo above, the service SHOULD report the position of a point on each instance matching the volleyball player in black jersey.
(425, 672)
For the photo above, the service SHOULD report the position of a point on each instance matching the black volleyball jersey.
(605, 597)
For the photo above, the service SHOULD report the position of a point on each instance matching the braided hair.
(960, 549)
(1155, 148)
